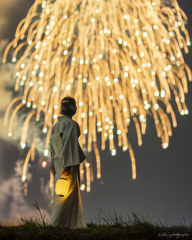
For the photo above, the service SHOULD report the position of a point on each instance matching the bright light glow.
(141, 117)
(10, 134)
(82, 187)
(44, 130)
(28, 104)
(156, 106)
(165, 145)
(125, 43)
(68, 87)
(145, 34)
(186, 112)
(137, 33)
(156, 93)
(113, 152)
(120, 41)
(124, 148)
(163, 93)
(55, 89)
(46, 152)
(44, 164)
(23, 145)
(83, 115)
(182, 112)
(23, 178)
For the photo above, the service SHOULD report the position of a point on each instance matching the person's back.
(66, 156)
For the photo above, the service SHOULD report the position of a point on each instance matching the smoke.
(14, 202)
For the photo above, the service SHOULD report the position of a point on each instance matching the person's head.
(68, 106)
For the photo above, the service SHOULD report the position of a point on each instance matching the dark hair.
(68, 106)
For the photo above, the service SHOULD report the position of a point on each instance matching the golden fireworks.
(120, 59)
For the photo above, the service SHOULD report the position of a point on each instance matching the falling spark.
(118, 64)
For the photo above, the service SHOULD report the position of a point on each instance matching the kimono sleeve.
(71, 150)
(81, 153)
(52, 153)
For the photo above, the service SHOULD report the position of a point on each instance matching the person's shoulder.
(75, 123)
(66, 120)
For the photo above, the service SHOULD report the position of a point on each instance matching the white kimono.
(66, 151)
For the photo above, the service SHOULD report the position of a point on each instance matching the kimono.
(65, 151)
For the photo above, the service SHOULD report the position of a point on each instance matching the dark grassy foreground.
(112, 227)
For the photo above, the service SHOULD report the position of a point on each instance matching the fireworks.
(119, 59)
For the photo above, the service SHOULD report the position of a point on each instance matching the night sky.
(162, 189)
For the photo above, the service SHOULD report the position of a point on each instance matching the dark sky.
(163, 184)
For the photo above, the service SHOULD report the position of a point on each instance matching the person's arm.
(78, 130)
(52, 153)
(66, 170)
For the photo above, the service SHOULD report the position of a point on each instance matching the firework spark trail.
(119, 64)
(6, 83)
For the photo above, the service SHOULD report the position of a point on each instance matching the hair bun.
(68, 106)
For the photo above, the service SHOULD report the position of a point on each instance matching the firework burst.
(120, 60)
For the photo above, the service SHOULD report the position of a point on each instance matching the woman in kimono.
(66, 157)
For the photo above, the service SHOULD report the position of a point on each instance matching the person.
(66, 157)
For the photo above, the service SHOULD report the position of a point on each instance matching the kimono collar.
(61, 118)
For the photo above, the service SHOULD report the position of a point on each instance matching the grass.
(110, 227)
